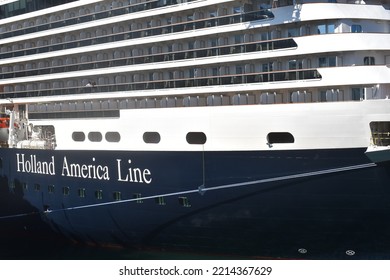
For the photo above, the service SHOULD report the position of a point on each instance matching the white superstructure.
(119, 75)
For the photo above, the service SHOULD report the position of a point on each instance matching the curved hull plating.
(307, 203)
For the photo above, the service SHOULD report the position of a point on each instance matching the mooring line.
(203, 189)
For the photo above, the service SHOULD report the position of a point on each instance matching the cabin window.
(37, 187)
(356, 28)
(25, 186)
(196, 138)
(50, 188)
(137, 196)
(81, 192)
(184, 201)
(325, 28)
(99, 194)
(65, 190)
(113, 136)
(78, 136)
(117, 196)
(280, 138)
(95, 136)
(369, 60)
(151, 137)
(160, 200)
(357, 94)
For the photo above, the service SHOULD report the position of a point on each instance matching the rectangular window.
(138, 197)
(369, 60)
(356, 28)
(160, 200)
(81, 192)
(65, 190)
(322, 62)
(332, 61)
(293, 32)
(184, 201)
(117, 196)
(99, 194)
(321, 29)
(356, 93)
(50, 188)
(292, 64)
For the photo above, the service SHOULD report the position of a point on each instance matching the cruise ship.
(256, 128)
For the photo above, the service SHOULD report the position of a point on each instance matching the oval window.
(196, 138)
(95, 136)
(152, 137)
(280, 137)
(78, 136)
(113, 136)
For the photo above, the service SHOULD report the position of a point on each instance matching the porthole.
(78, 136)
(196, 138)
(280, 138)
(151, 137)
(113, 136)
(95, 136)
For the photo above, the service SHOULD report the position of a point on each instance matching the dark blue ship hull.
(277, 204)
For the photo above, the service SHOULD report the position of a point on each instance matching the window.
(356, 28)
(50, 188)
(65, 190)
(113, 136)
(325, 28)
(138, 197)
(196, 138)
(160, 200)
(292, 32)
(81, 192)
(237, 10)
(356, 93)
(327, 61)
(280, 137)
(322, 62)
(117, 196)
(151, 137)
(369, 60)
(184, 201)
(37, 187)
(99, 194)
(95, 136)
(78, 136)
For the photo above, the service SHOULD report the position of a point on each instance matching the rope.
(202, 189)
